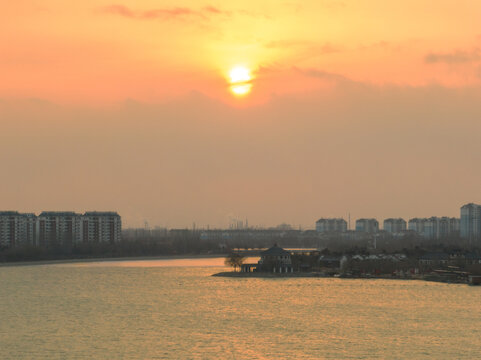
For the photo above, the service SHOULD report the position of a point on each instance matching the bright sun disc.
(240, 80)
(239, 74)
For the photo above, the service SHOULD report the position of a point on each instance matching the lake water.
(174, 309)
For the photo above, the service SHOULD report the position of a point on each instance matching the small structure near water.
(274, 259)
(474, 280)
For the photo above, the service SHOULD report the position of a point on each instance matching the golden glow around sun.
(241, 89)
(240, 80)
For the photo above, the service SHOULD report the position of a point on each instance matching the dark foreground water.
(176, 310)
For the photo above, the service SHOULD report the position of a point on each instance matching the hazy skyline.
(372, 109)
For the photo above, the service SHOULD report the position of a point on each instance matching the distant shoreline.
(110, 259)
(268, 275)
(239, 274)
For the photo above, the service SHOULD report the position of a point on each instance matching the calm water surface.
(174, 309)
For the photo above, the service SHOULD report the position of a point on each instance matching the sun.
(239, 74)
(240, 80)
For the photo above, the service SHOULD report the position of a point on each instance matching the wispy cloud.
(213, 10)
(286, 43)
(321, 74)
(455, 57)
(279, 70)
(326, 48)
(161, 13)
(118, 10)
(376, 45)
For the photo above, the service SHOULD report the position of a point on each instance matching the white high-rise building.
(394, 226)
(101, 227)
(17, 229)
(367, 225)
(31, 229)
(470, 227)
(416, 225)
(10, 228)
(59, 228)
(447, 227)
(435, 227)
(331, 225)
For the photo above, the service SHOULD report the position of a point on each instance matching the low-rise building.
(330, 262)
(275, 259)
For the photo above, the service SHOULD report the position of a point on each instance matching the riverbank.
(304, 275)
(111, 259)
(264, 275)
(270, 275)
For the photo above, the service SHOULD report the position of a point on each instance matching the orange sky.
(350, 100)
(96, 51)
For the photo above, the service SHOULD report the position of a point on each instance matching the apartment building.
(394, 226)
(17, 229)
(59, 228)
(470, 225)
(101, 227)
(369, 226)
(331, 225)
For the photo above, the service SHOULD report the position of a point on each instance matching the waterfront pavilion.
(275, 259)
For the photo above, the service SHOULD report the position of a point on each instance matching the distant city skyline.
(233, 222)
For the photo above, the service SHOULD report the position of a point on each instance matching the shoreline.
(266, 275)
(110, 259)
(239, 274)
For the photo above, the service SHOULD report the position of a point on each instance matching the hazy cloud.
(456, 57)
(161, 13)
(334, 4)
(291, 158)
(325, 48)
(213, 10)
(286, 43)
(324, 75)
(376, 45)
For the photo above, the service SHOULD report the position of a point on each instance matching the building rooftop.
(58, 213)
(9, 213)
(275, 251)
(435, 256)
(101, 213)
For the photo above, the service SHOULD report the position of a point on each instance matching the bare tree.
(235, 260)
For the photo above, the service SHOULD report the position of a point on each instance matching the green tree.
(235, 260)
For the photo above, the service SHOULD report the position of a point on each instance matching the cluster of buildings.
(450, 267)
(58, 228)
(468, 226)
(435, 227)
